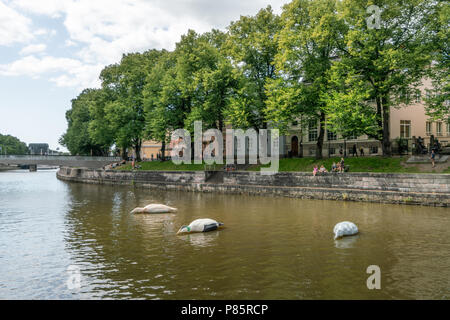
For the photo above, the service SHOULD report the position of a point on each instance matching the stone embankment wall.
(418, 189)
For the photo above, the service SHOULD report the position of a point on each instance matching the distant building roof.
(38, 145)
(38, 148)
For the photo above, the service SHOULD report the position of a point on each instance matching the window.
(295, 123)
(332, 150)
(405, 128)
(373, 150)
(428, 128)
(331, 135)
(439, 128)
(448, 127)
(312, 130)
(417, 96)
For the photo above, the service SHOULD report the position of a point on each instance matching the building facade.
(38, 148)
(406, 122)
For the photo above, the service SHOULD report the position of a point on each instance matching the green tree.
(163, 101)
(192, 83)
(252, 47)
(385, 64)
(77, 139)
(99, 128)
(307, 44)
(438, 97)
(124, 84)
(12, 145)
(213, 81)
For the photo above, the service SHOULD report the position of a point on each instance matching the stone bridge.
(67, 161)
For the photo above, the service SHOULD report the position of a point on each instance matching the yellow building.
(151, 150)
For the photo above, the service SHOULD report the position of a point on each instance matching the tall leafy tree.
(384, 62)
(77, 138)
(192, 83)
(438, 97)
(12, 145)
(165, 104)
(124, 84)
(99, 128)
(308, 44)
(252, 47)
(213, 81)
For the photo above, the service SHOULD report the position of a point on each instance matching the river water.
(270, 248)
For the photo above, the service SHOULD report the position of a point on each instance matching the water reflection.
(201, 239)
(271, 248)
(346, 242)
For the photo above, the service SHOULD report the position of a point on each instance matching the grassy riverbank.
(168, 166)
(357, 164)
(378, 164)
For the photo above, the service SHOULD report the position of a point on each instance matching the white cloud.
(70, 43)
(105, 29)
(52, 8)
(33, 66)
(14, 27)
(66, 72)
(33, 48)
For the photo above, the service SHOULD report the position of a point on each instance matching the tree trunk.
(163, 150)
(137, 149)
(300, 151)
(124, 153)
(320, 138)
(386, 128)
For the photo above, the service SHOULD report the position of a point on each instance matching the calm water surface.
(271, 248)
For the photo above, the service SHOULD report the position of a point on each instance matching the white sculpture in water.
(154, 208)
(200, 225)
(344, 228)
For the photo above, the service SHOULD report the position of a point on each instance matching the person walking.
(354, 150)
(432, 157)
(361, 151)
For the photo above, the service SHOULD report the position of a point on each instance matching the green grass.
(166, 166)
(357, 164)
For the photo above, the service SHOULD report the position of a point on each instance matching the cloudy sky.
(51, 49)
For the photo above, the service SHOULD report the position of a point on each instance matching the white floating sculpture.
(344, 228)
(154, 208)
(200, 225)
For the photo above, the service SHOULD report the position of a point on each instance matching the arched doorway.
(294, 146)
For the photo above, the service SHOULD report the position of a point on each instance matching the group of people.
(336, 167)
(114, 165)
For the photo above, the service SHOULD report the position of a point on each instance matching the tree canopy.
(321, 61)
(12, 145)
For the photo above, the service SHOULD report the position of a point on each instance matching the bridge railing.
(58, 157)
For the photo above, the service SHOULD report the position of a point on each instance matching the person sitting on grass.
(342, 165)
(334, 167)
(315, 171)
(323, 169)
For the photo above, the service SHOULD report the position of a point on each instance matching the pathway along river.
(271, 248)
